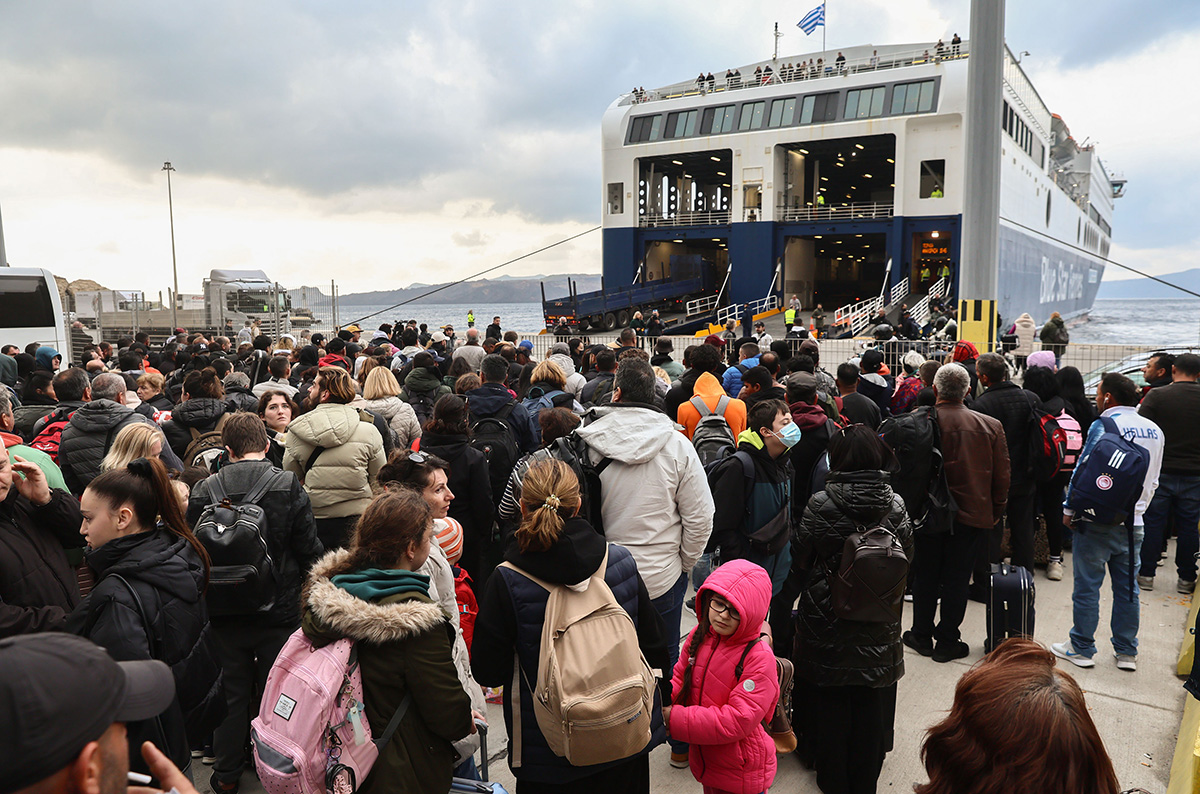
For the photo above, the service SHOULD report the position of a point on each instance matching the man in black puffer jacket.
(89, 436)
(1013, 407)
(248, 644)
(201, 407)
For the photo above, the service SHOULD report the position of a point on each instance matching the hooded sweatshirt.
(654, 495)
(575, 381)
(728, 749)
(1026, 332)
(45, 358)
(710, 390)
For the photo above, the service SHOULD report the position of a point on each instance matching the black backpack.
(771, 537)
(496, 438)
(913, 437)
(242, 579)
(572, 451)
(869, 584)
(422, 403)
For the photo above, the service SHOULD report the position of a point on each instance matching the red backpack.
(51, 436)
(1048, 445)
(468, 607)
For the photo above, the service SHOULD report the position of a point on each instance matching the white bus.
(30, 310)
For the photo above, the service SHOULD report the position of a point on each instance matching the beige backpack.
(594, 696)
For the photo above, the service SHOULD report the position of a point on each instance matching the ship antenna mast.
(778, 36)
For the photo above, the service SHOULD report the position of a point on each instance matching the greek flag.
(812, 20)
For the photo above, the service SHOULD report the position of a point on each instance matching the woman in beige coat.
(336, 452)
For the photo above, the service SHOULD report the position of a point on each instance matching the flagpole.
(824, 24)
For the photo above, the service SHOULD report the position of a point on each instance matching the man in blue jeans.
(1175, 408)
(1096, 547)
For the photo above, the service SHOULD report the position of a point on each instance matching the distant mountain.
(505, 289)
(1140, 288)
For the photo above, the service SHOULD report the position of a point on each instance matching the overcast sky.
(381, 143)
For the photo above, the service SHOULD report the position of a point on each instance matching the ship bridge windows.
(782, 111)
(912, 98)
(718, 120)
(865, 103)
(645, 128)
(819, 108)
(682, 124)
(691, 189)
(752, 116)
(851, 177)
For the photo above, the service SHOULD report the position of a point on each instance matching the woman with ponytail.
(556, 545)
(148, 601)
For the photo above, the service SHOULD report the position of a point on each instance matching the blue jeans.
(669, 606)
(1095, 547)
(1178, 500)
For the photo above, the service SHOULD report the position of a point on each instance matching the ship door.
(931, 260)
(799, 270)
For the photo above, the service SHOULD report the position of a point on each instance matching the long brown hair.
(693, 646)
(146, 488)
(394, 520)
(1018, 723)
(549, 494)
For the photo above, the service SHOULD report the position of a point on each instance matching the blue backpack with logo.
(1107, 483)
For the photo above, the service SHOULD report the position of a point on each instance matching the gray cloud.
(472, 239)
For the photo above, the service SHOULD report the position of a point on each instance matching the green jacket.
(421, 380)
(404, 648)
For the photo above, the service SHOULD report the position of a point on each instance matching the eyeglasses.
(723, 608)
(420, 458)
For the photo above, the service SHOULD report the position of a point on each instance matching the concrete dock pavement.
(1137, 714)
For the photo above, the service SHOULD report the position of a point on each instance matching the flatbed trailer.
(608, 307)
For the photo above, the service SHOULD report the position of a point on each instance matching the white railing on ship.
(701, 305)
(734, 311)
(685, 218)
(920, 309)
(871, 209)
(898, 291)
(938, 290)
(799, 73)
(858, 315)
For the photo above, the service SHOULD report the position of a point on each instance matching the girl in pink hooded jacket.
(718, 713)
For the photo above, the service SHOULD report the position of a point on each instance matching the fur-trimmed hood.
(335, 611)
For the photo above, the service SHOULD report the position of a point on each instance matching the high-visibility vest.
(944, 271)
(925, 274)
(789, 317)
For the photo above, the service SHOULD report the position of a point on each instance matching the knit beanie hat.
(449, 535)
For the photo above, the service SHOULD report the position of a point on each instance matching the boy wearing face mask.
(752, 493)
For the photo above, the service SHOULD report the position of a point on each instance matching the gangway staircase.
(859, 315)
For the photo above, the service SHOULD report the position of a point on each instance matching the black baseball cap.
(58, 692)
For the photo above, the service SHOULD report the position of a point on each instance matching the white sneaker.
(1126, 662)
(1065, 650)
(1054, 571)
(1145, 582)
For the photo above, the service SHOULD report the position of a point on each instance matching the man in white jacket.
(654, 496)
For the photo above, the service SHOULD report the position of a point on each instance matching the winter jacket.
(26, 414)
(171, 625)
(861, 409)
(399, 415)
(473, 506)
(708, 388)
(339, 481)
(443, 591)
(907, 389)
(879, 390)
(420, 381)
(597, 387)
(728, 749)
(575, 381)
(240, 399)
(473, 354)
(196, 413)
(291, 533)
(489, 399)
(37, 586)
(669, 365)
(736, 516)
(404, 649)
(65, 407)
(543, 397)
(681, 392)
(160, 402)
(87, 439)
(1055, 336)
(334, 360)
(1026, 331)
(976, 462)
(274, 384)
(654, 495)
(732, 379)
(509, 509)
(768, 393)
(816, 428)
(509, 624)
(1013, 407)
(831, 651)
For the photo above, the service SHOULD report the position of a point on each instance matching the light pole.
(174, 270)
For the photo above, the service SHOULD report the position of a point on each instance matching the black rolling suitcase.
(1010, 604)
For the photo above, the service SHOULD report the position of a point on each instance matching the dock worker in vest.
(471, 318)
(925, 274)
(937, 192)
(789, 317)
(944, 271)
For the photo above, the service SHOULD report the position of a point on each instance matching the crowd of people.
(438, 502)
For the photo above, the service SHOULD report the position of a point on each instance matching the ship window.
(752, 116)
(818, 107)
(681, 124)
(926, 103)
(782, 111)
(718, 120)
(616, 198)
(933, 178)
(864, 103)
(645, 128)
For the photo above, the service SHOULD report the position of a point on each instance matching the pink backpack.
(311, 734)
(1074, 433)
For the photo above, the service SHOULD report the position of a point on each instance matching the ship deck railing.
(685, 218)
(798, 73)
(835, 212)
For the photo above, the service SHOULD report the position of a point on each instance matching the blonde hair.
(662, 375)
(153, 380)
(284, 343)
(380, 383)
(548, 372)
(134, 441)
(549, 493)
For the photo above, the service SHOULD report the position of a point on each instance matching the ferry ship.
(839, 177)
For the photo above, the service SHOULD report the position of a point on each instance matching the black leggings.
(1050, 502)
